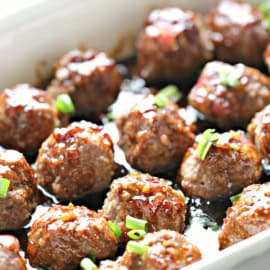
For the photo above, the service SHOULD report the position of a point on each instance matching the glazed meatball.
(76, 160)
(154, 139)
(21, 199)
(172, 46)
(231, 163)
(10, 258)
(62, 236)
(230, 95)
(27, 117)
(146, 197)
(168, 250)
(90, 78)
(249, 215)
(267, 57)
(235, 26)
(259, 130)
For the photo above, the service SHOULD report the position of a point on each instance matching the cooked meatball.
(172, 46)
(27, 117)
(154, 139)
(146, 197)
(10, 258)
(76, 160)
(90, 78)
(267, 57)
(63, 235)
(231, 163)
(168, 250)
(230, 95)
(249, 215)
(259, 130)
(21, 198)
(238, 32)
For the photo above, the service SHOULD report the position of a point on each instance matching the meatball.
(259, 130)
(230, 95)
(231, 163)
(249, 215)
(90, 78)
(9, 254)
(21, 198)
(266, 56)
(234, 26)
(27, 117)
(172, 46)
(154, 139)
(168, 250)
(76, 160)
(146, 197)
(62, 236)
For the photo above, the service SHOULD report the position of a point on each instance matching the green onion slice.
(87, 264)
(136, 234)
(115, 229)
(64, 104)
(228, 78)
(214, 227)
(235, 198)
(234, 146)
(207, 139)
(4, 186)
(136, 223)
(169, 92)
(265, 9)
(137, 248)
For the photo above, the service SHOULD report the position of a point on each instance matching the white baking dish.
(32, 37)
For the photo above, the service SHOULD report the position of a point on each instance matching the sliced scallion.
(114, 228)
(137, 248)
(265, 9)
(136, 223)
(87, 264)
(228, 78)
(64, 104)
(235, 198)
(4, 186)
(136, 234)
(234, 146)
(168, 92)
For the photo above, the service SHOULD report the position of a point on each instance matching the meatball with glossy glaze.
(230, 95)
(76, 160)
(145, 197)
(21, 198)
(154, 139)
(231, 163)
(167, 250)
(90, 78)
(234, 28)
(27, 117)
(249, 215)
(266, 56)
(62, 236)
(172, 46)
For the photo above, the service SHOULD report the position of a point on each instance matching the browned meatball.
(146, 197)
(249, 215)
(64, 235)
(231, 163)
(230, 95)
(172, 46)
(75, 160)
(153, 138)
(10, 258)
(90, 78)
(20, 201)
(238, 32)
(266, 56)
(168, 250)
(27, 117)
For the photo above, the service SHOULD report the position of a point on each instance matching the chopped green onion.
(265, 9)
(169, 92)
(207, 139)
(110, 117)
(137, 248)
(64, 104)
(92, 257)
(234, 146)
(115, 229)
(235, 197)
(228, 79)
(4, 186)
(214, 227)
(136, 223)
(87, 264)
(136, 234)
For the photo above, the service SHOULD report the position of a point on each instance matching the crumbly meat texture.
(62, 236)
(76, 160)
(230, 106)
(154, 139)
(249, 215)
(146, 197)
(231, 164)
